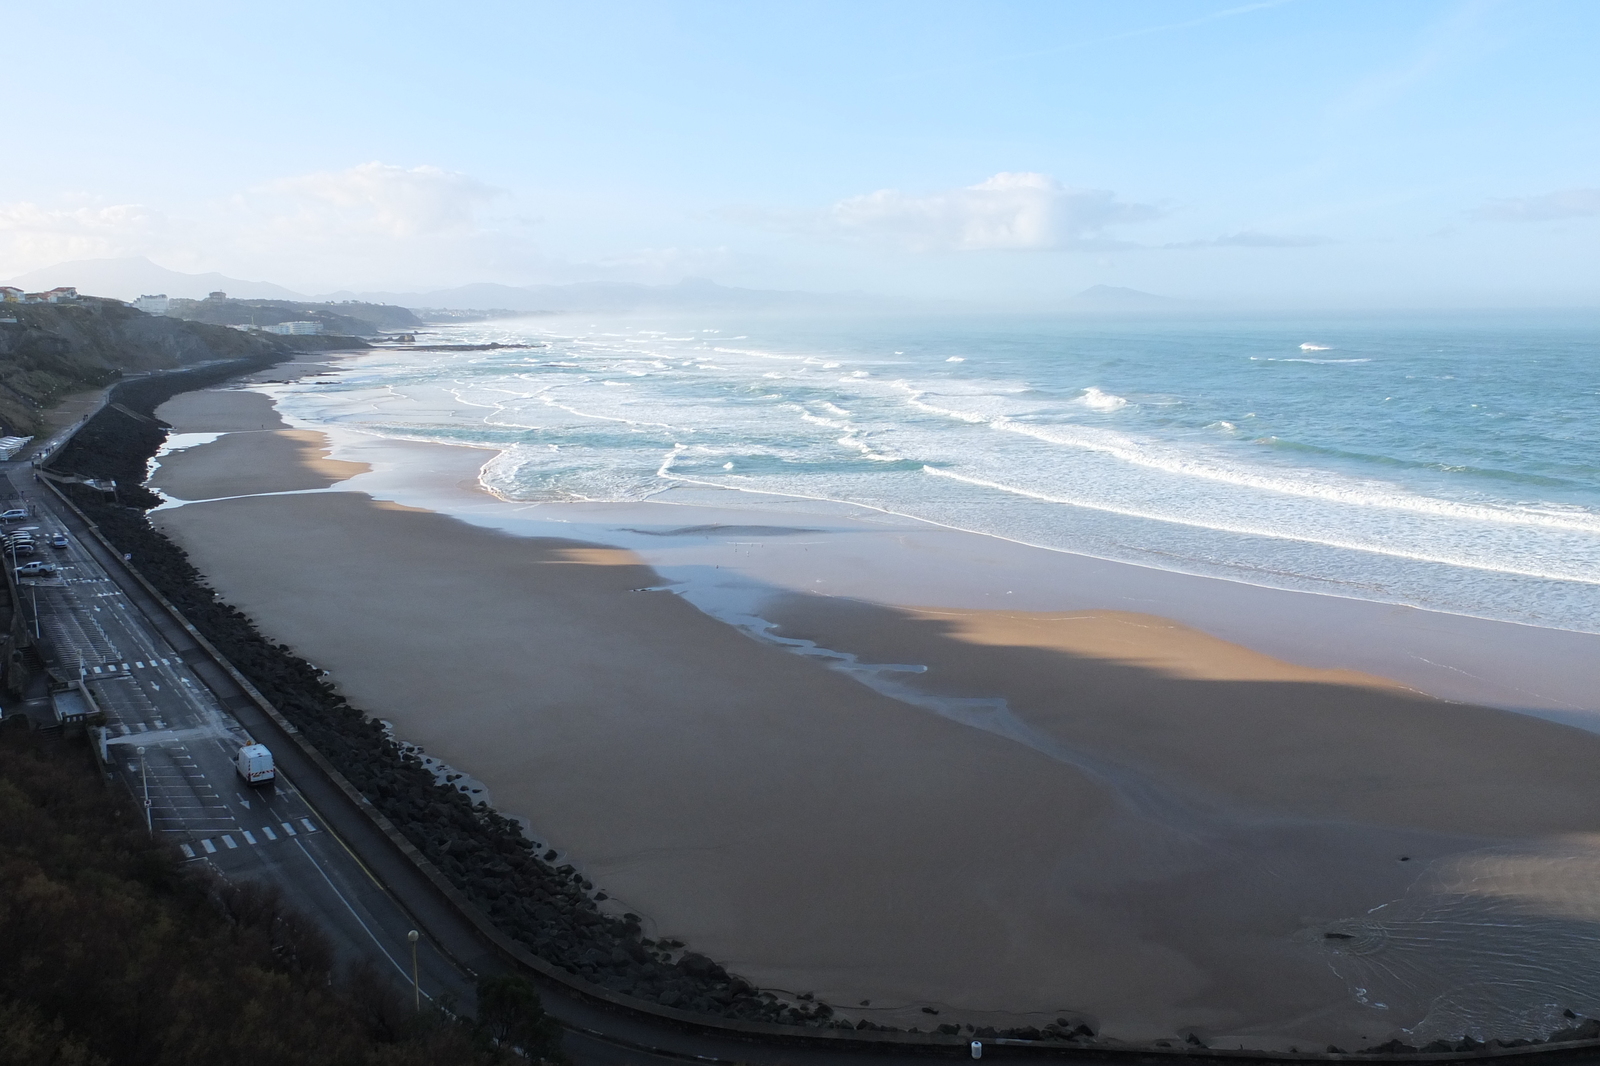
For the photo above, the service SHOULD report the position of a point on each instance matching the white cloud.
(1015, 211)
(387, 200)
(369, 223)
(32, 235)
(1568, 203)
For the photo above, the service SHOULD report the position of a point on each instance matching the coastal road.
(170, 740)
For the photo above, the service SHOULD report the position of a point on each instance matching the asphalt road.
(171, 741)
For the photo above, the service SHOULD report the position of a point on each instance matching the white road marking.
(307, 823)
(287, 828)
(352, 910)
(139, 665)
(211, 849)
(267, 829)
(228, 840)
(97, 669)
(249, 838)
(187, 850)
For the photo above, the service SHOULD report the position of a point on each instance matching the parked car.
(22, 547)
(58, 541)
(16, 514)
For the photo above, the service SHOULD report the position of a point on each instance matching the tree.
(511, 1015)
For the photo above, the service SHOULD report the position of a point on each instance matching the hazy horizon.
(1278, 154)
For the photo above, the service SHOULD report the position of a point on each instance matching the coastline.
(835, 776)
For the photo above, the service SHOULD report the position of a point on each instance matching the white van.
(254, 763)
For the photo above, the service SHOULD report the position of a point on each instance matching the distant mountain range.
(127, 278)
(1115, 298)
(691, 294)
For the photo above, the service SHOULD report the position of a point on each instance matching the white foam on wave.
(1272, 532)
(955, 359)
(1097, 400)
(1309, 484)
(957, 426)
(1293, 359)
(1309, 347)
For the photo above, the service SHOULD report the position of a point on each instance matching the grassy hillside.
(55, 349)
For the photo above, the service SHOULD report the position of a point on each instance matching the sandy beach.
(1130, 797)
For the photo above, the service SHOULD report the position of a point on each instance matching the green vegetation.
(55, 349)
(351, 318)
(114, 953)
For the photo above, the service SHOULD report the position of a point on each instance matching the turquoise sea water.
(1450, 463)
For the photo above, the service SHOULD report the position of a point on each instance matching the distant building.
(294, 328)
(59, 294)
(153, 305)
(216, 295)
(10, 295)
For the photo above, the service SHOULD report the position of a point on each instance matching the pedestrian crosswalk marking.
(228, 840)
(287, 828)
(307, 823)
(211, 849)
(248, 837)
(97, 669)
(188, 852)
(267, 829)
(139, 665)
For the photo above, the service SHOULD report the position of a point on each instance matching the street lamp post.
(144, 777)
(416, 984)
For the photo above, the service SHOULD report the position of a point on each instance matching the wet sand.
(1156, 830)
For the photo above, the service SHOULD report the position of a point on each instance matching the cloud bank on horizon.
(1438, 152)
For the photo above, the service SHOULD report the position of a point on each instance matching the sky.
(1430, 153)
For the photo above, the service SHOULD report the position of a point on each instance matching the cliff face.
(55, 349)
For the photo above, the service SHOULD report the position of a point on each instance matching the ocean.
(1449, 463)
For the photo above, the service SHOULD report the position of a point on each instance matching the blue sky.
(1299, 152)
